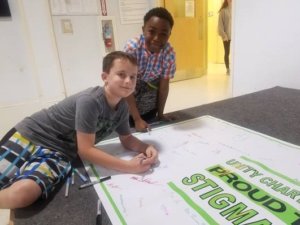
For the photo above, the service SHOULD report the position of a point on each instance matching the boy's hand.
(137, 164)
(167, 118)
(141, 125)
(143, 161)
(151, 155)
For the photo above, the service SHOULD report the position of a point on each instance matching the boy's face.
(157, 32)
(121, 80)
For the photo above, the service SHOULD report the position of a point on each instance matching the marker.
(99, 218)
(148, 130)
(67, 187)
(82, 177)
(73, 181)
(155, 123)
(94, 182)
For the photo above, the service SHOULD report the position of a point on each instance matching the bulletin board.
(210, 172)
(74, 7)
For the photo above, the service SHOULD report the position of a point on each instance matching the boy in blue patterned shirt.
(156, 66)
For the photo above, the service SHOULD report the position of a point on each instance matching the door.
(189, 37)
(215, 51)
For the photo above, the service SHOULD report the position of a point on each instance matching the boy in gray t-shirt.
(37, 153)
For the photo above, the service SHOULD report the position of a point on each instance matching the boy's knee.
(24, 192)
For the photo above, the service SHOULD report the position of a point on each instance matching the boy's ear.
(104, 76)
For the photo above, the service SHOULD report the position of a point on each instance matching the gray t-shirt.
(87, 111)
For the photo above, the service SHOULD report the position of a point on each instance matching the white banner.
(210, 172)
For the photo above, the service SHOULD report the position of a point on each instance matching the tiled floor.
(213, 86)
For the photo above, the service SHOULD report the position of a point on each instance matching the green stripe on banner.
(286, 213)
(295, 182)
(192, 204)
(108, 195)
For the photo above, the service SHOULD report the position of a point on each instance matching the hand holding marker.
(94, 182)
(84, 179)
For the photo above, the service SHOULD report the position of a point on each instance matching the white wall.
(80, 52)
(266, 46)
(30, 76)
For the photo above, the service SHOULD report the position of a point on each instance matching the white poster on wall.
(190, 8)
(74, 7)
(133, 11)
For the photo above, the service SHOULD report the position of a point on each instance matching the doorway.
(195, 36)
(215, 52)
(189, 37)
(211, 83)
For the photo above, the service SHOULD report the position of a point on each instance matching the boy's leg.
(14, 152)
(28, 171)
(20, 194)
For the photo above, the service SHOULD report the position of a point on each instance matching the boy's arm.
(132, 143)
(163, 93)
(140, 124)
(168, 72)
(87, 151)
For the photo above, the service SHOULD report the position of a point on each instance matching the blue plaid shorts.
(21, 159)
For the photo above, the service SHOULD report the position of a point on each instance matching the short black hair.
(160, 12)
(109, 59)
